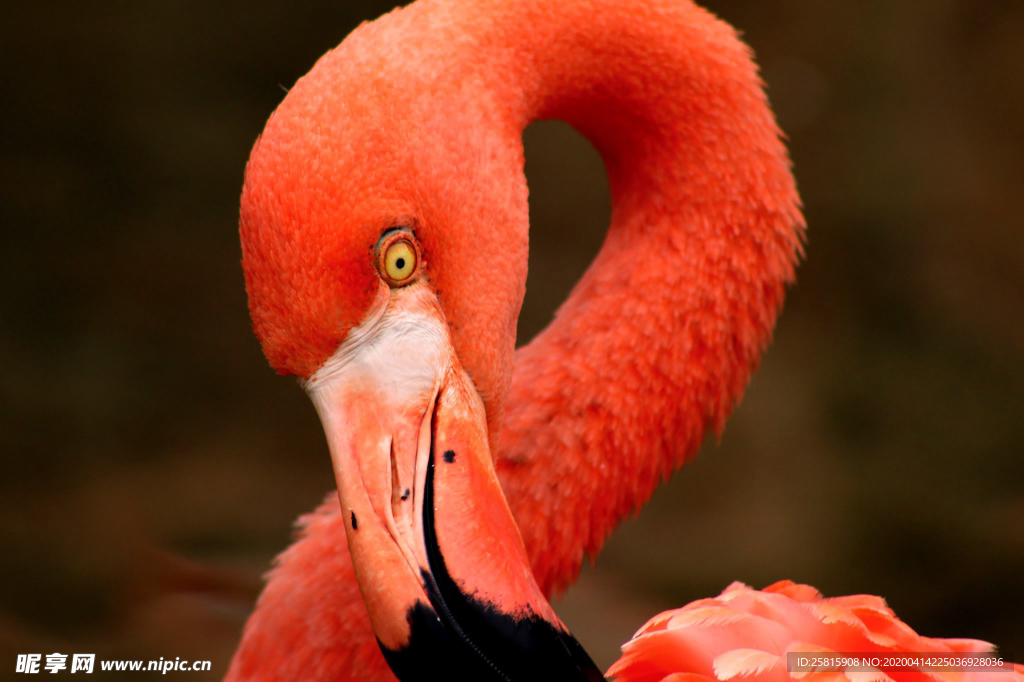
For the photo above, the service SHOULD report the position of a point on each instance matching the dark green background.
(152, 464)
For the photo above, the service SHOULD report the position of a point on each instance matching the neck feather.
(658, 340)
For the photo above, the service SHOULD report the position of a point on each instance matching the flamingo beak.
(437, 555)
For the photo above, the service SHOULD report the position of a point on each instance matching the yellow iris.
(399, 262)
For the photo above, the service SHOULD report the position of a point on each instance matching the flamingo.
(384, 243)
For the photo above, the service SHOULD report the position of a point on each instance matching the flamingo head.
(384, 253)
(368, 144)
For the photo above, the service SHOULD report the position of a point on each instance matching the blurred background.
(151, 464)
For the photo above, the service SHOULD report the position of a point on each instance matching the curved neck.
(422, 113)
(658, 340)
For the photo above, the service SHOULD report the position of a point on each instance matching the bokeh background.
(152, 464)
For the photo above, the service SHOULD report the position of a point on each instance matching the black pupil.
(400, 263)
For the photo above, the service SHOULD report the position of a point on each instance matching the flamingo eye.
(399, 262)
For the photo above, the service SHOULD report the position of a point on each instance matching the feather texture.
(746, 634)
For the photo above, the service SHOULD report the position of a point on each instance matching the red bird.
(384, 238)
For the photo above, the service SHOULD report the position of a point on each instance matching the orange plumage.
(414, 122)
(745, 634)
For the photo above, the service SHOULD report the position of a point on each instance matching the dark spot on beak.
(352, 516)
(405, 495)
(449, 456)
(469, 639)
